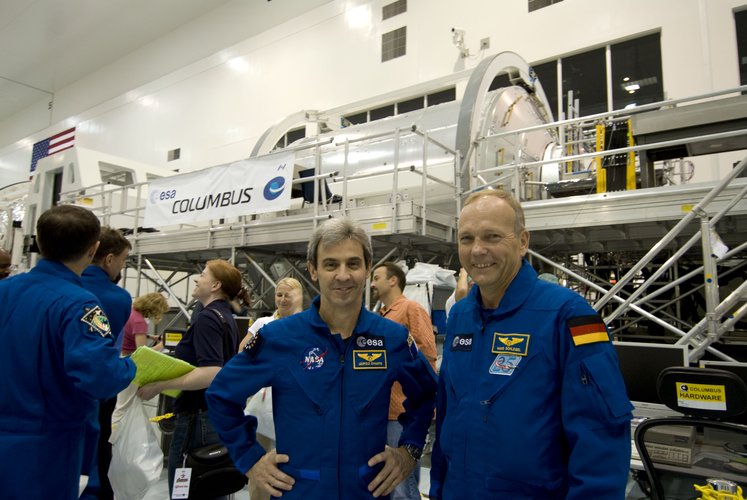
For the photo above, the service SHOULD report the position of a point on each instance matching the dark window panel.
(547, 74)
(382, 112)
(740, 19)
(636, 71)
(356, 118)
(538, 4)
(499, 82)
(294, 135)
(410, 105)
(394, 44)
(447, 95)
(585, 74)
(393, 9)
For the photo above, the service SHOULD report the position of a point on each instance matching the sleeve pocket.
(608, 382)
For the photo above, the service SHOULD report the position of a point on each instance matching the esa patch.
(588, 330)
(504, 365)
(313, 358)
(462, 342)
(97, 321)
(370, 359)
(370, 342)
(516, 344)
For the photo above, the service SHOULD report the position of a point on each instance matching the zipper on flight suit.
(345, 345)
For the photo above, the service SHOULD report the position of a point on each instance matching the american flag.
(51, 145)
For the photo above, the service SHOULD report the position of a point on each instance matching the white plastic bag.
(137, 459)
(431, 273)
(260, 406)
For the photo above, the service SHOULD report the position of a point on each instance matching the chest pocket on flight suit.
(368, 384)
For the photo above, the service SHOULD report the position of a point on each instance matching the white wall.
(216, 109)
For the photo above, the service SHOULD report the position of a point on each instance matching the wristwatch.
(414, 452)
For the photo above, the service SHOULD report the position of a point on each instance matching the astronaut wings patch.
(97, 321)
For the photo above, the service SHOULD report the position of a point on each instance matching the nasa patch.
(97, 321)
(313, 358)
(462, 342)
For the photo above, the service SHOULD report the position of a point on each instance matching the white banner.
(245, 187)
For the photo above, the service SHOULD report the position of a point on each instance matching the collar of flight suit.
(59, 270)
(364, 323)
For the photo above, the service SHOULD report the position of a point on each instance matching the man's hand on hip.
(268, 476)
(397, 466)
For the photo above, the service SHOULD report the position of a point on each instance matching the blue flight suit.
(531, 402)
(117, 305)
(58, 359)
(330, 400)
(115, 300)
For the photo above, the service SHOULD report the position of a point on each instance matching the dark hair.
(112, 242)
(243, 297)
(334, 231)
(393, 269)
(229, 277)
(66, 232)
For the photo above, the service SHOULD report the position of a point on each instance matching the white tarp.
(245, 187)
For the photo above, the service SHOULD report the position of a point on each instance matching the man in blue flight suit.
(531, 403)
(331, 368)
(100, 278)
(58, 358)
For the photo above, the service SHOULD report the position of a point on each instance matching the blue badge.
(370, 359)
(462, 342)
(516, 344)
(313, 358)
(504, 365)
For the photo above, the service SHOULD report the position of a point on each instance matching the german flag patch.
(588, 330)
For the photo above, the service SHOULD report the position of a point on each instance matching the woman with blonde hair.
(288, 300)
(151, 306)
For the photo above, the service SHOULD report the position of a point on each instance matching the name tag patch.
(516, 344)
(504, 365)
(462, 342)
(369, 359)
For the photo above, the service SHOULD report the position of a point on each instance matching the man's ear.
(524, 242)
(92, 251)
(312, 270)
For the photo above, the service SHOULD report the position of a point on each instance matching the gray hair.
(519, 224)
(334, 231)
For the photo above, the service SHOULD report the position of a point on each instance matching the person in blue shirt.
(531, 402)
(208, 344)
(331, 369)
(100, 278)
(58, 359)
